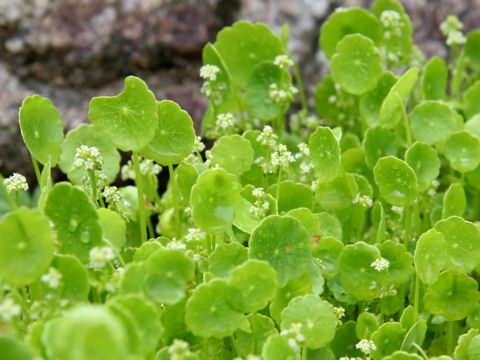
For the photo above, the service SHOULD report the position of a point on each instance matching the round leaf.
(431, 255)
(26, 246)
(425, 162)
(325, 153)
(293, 195)
(454, 201)
(87, 135)
(396, 181)
(357, 64)
(208, 312)
(75, 219)
(129, 118)
(233, 153)
(387, 338)
(174, 135)
(435, 79)
(284, 243)
(371, 102)
(471, 106)
(462, 150)
(225, 258)
(277, 348)
(433, 121)
(452, 295)
(13, 349)
(41, 128)
(317, 318)
(213, 199)
(472, 49)
(348, 21)
(379, 142)
(251, 286)
(166, 275)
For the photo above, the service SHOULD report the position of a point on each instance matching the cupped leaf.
(462, 150)
(277, 348)
(257, 95)
(435, 79)
(377, 143)
(371, 102)
(41, 128)
(330, 226)
(415, 335)
(366, 325)
(13, 349)
(337, 193)
(343, 344)
(85, 332)
(348, 21)
(75, 219)
(174, 135)
(316, 317)
(166, 275)
(388, 338)
(452, 295)
(244, 45)
(113, 227)
(357, 64)
(400, 262)
(433, 121)
(225, 258)
(402, 355)
(431, 255)
(396, 181)
(233, 153)
(425, 162)
(251, 286)
(471, 105)
(391, 109)
(463, 241)
(129, 118)
(252, 342)
(472, 49)
(293, 195)
(328, 250)
(86, 134)
(325, 153)
(26, 246)
(357, 273)
(454, 201)
(308, 219)
(283, 242)
(208, 312)
(213, 199)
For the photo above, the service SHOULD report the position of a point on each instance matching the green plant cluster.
(349, 233)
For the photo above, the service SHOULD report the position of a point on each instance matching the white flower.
(179, 350)
(456, 38)
(282, 157)
(258, 193)
(16, 182)
(176, 244)
(111, 194)
(450, 24)
(293, 344)
(283, 61)
(198, 145)
(209, 72)
(100, 255)
(339, 311)
(267, 137)
(364, 200)
(306, 166)
(279, 96)
(397, 209)
(88, 157)
(390, 18)
(195, 234)
(149, 167)
(9, 309)
(366, 346)
(52, 278)
(304, 149)
(225, 121)
(380, 264)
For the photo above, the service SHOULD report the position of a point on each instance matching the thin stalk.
(175, 200)
(408, 134)
(17, 197)
(93, 180)
(301, 89)
(141, 204)
(408, 225)
(450, 337)
(151, 232)
(279, 179)
(37, 170)
(304, 352)
(231, 234)
(234, 345)
(420, 350)
(416, 298)
(102, 203)
(115, 251)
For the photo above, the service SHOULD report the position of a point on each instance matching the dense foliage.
(349, 233)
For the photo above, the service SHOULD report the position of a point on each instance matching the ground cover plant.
(348, 232)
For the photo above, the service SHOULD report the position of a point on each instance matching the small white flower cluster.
(179, 350)
(304, 149)
(52, 278)
(225, 121)
(176, 244)
(261, 205)
(209, 72)
(350, 358)
(397, 209)
(195, 235)
(198, 145)
(433, 190)
(114, 281)
(9, 309)
(16, 182)
(112, 196)
(147, 167)
(366, 346)
(339, 311)
(249, 357)
(391, 19)
(100, 255)
(267, 137)
(282, 157)
(451, 28)
(364, 200)
(283, 61)
(282, 96)
(88, 157)
(307, 165)
(294, 335)
(101, 181)
(380, 264)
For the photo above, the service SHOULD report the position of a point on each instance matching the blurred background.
(72, 50)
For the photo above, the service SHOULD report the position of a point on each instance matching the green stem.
(416, 298)
(10, 201)
(93, 180)
(141, 203)
(279, 179)
(175, 200)
(37, 170)
(17, 197)
(115, 251)
(231, 234)
(420, 350)
(151, 232)
(408, 225)
(408, 134)
(450, 337)
(304, 352)
(301, 89)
